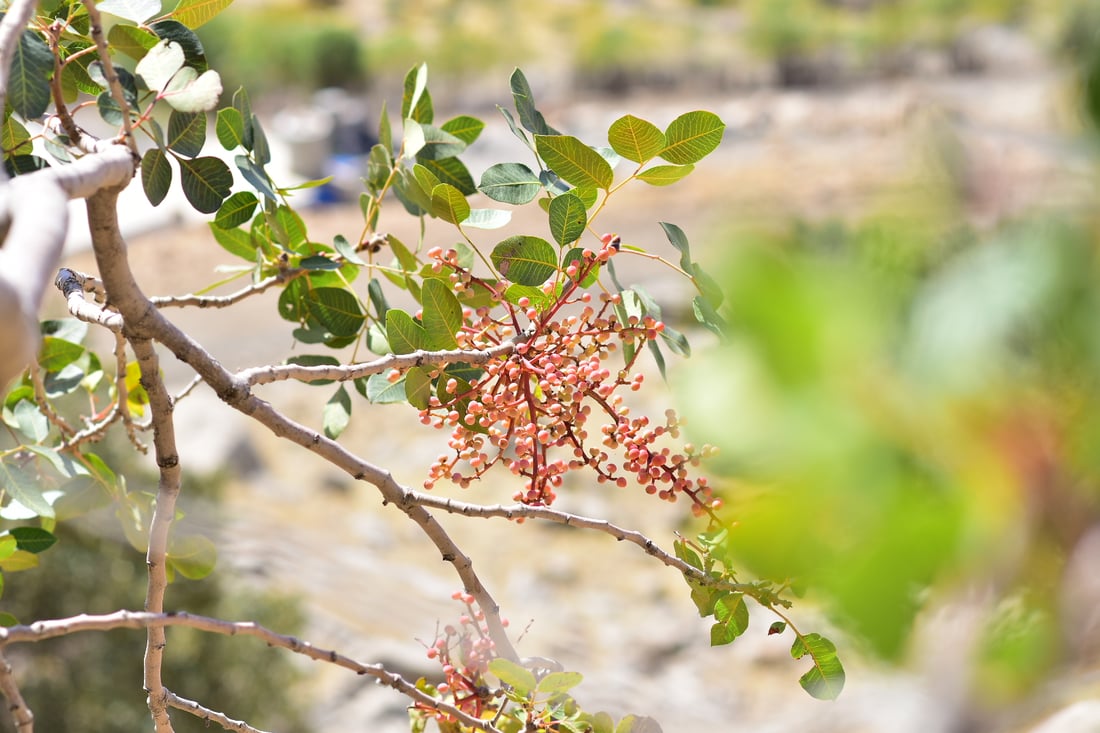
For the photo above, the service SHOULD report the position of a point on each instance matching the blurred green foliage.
(99, 675)
(907, 404)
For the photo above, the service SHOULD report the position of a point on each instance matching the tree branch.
(275, 373)
(208, 715)
(221, 301)
(20, 713)
(112, 75)
(43, 630)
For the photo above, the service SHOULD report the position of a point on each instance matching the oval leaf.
(336, 414)
(28, 84)
(573, 161)
(520, 679)
(510, 183)
(193, 13)
(525, 260)
(230, 128)
(418, 387)
(664, 175)
(568, 218)
(404, 334)
(206, 183)
(449, 204)
(691, 136)
(156, 175)
(33, 539)
(442, 314)
(337, 310)
(186, 133)
(825, 679)
(236, 210)
(635, 139)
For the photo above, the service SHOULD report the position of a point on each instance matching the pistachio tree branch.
(208, 715)
(279, 372)
(17, 706)
(164, 511)
(112, 76)
(51, 629)
(222, 301)
(144, 321)
(73, 285)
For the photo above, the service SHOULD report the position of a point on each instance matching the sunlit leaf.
(160, 64)
(525, 260)
(192, 556)
(173, 30)
(404, 334)
(449, 204)
(193, 13)
(825, 680)
(336, 309)
(192, 92)
(438, 144)
(465, 128)
(380, 390)
(234, 241)
(487, 218)
(131, 40)
(416, 102)
(452, 171)
(691, 137)
(574, 161)
(442, 315)
(558, 682)
(236, 210)
(664, 175)
(418, 387)
(524, 98)
(22, 486)
(635, 139)
(568, 218)
(520, 679)
(229, 128)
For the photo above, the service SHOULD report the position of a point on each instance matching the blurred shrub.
(316, 48)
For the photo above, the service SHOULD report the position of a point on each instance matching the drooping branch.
(43, 630)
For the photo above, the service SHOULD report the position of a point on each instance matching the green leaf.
(438, 144)
(573, 161)
(691, 137)
(559, 682)
(29, 76)
(487, 218)
(192, 556)
(337, 413)
(664, 175)
(173, 30)
(510, 183)
(568, 218)
(160, 64)
(256, 176)
(825, 679)
(14, 138)
(679, 240)
(234, 241)
(236, 210)
(465, 128)
(418, 387)
(137, 11)
(133, 41)
(705, 314)
(452, 171)
(449, 204)
(416, 102)
(156, 175)
(33, 539)
(23, 487)
(635, 139)
(442, 315)
(777, 627)
(524, 98)
(381, 391)
(230, 128)
(404, 334)
(186, 132)
(525, 260)
(206, 183)
(193, 13)
(56, 353)
(243, 106)
(520, 679)
(336, 309)
(732, 619)
(30, 421)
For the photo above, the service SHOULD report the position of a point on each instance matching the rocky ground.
(375, 591)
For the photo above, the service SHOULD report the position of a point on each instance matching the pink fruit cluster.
(464, 653)
(553, 405)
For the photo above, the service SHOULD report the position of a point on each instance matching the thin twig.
(221, 301)
(208, 715)
(112, 76)
(73, 285)
(61, 110)
(17, 706)
(42, 630)
(276, 373)
(122, 393)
